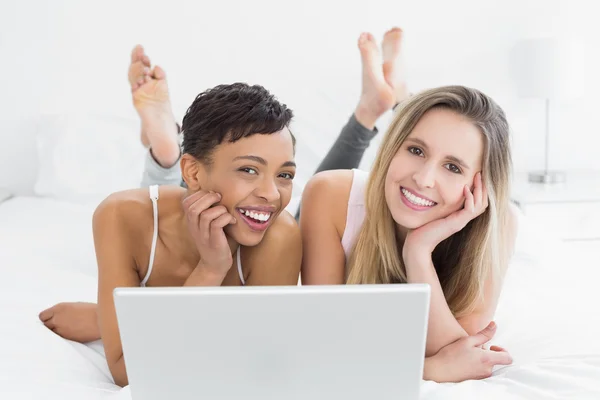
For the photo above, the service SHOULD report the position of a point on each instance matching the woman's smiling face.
(426, 177)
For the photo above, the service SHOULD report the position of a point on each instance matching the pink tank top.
(356, 210)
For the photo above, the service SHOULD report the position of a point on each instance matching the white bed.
(46, 256)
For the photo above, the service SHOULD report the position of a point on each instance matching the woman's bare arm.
(116, 268)
(324, 205)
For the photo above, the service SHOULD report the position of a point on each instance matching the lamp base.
(547, 177)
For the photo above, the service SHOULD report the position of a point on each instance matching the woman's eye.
(453, 168)
(250, 171)
(286, 175)
(416, 151)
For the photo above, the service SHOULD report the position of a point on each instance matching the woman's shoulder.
(333, 185)
(327, 197)
(277, 258)
(133, 209)
(283, 231)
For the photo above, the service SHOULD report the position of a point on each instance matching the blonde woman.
(434, 209)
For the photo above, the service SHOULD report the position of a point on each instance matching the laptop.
(341, 342)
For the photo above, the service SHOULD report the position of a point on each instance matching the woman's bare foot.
(151, 101)
(139, 71)
(377, 95)
(73, 321)
(393, 63)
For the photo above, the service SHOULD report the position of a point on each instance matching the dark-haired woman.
(227, 227)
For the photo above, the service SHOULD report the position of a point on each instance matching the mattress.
(546, 318)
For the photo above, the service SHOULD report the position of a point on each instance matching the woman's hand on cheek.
(423, 240)
(206, 220)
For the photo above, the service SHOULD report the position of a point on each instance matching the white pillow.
(85, 157)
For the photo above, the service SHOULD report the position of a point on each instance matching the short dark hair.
(231, 112)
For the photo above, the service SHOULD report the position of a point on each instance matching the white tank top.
(154, 197)
(355, 216)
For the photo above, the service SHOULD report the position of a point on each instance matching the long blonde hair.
(466, 259)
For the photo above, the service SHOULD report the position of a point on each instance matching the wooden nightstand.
(569, 210)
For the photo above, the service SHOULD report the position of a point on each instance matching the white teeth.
(259, 216)
(416, 200)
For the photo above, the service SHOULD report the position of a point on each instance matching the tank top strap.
(154, 197)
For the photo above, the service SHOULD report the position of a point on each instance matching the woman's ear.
(192, 172)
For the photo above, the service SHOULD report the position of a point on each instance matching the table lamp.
(552, 70)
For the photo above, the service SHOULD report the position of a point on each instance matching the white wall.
(72, 56)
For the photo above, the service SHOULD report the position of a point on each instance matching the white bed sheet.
(547, 316)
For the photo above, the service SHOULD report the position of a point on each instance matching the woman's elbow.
(117, 370)
(474, 324)
(120, 381)
(433, 346)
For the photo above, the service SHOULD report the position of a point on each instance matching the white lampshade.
(548, 68)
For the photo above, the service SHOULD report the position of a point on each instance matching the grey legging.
(346, 153)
